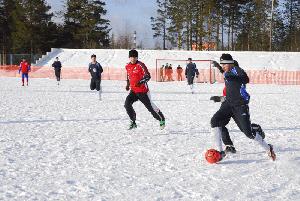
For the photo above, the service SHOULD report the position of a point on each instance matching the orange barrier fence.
(256, 76)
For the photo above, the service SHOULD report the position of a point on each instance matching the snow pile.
(116, 58)
(61, 143)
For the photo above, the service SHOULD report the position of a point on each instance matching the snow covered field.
(62, 143)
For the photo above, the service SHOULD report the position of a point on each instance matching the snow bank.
(116, 58)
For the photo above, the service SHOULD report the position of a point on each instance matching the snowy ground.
(62, 143)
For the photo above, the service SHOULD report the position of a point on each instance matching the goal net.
(175, 73)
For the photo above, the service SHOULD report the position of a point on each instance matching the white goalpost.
(205, 68)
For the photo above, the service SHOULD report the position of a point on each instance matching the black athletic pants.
(190, 80)
(57, 74)
(95, 84)
(145, 99)
(240, 115)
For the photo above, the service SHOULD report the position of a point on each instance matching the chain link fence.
(15, 59)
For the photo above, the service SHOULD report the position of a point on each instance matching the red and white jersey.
(138, 75)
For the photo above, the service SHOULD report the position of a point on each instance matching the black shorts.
(95, 84)
(57, 74)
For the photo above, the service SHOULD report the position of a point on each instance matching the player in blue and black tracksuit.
(95, 70)
(229, 147)
(57, 68)
(190, 72)
(235, 106)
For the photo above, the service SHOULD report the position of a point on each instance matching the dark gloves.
(218, 99)
(217, 65)
(127, 88)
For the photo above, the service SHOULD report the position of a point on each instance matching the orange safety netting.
(256, 76)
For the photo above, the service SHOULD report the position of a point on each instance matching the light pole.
(134, 39)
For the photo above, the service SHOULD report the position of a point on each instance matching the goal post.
(163, 74)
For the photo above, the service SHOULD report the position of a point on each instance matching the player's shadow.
(282, 128)
(244, 161)
(297, 159)
(59, 120)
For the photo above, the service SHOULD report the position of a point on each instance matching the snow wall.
(262, 67)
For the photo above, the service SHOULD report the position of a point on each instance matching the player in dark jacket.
(137, 78)
(95, 70)
(57, 68)
(229, 147)
(236, 106)
(190, 72)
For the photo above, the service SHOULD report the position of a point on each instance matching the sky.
(125, 16)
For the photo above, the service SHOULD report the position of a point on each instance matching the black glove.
(127, 88)
(217, 65)
(217, 99)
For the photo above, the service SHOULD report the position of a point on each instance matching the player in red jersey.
(137, 78)
(25, 69)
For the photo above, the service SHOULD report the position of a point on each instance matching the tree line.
(27, 26)
(245, 25)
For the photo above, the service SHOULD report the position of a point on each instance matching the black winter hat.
(93, 55)
(226, 59)
(133, 53)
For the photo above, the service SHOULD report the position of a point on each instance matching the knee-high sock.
(217, 133)
(261, 142)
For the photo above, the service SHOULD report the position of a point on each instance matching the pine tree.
(85, 25)
(292, 14)
(38, 21)
(175, 30)
(100, 33)
(160, 23)
(20, 33)
(3, 23)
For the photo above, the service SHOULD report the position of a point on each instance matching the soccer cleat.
(162, 124)
(271, 153)
(23, 84)
(230, 149)
(132, 125)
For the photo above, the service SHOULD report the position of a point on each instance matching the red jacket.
(24, 67)
(224, 91)
(138, 76)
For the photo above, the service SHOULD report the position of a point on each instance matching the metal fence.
(15, 59)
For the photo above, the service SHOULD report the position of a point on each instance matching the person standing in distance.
(137, 78)
(190, 72)
(95, 70)
(25, 69)
(179, 71)
(57, 68)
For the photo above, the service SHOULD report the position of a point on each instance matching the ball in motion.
(212, 156)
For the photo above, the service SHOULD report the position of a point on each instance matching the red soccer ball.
(212, 156)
